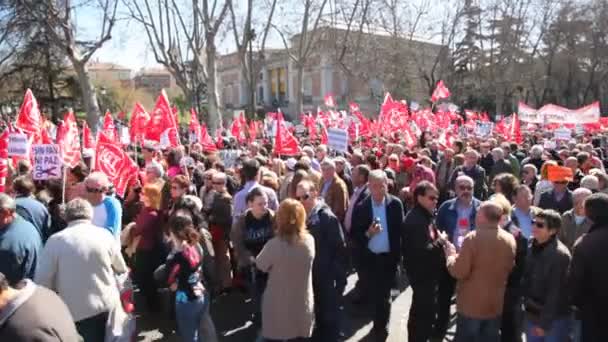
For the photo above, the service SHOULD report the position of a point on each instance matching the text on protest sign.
(229, 157)
(337, 139)
(47, 161)
(483, 129)
(18, 145)
(562, 133)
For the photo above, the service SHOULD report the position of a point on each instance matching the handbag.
(120, 326)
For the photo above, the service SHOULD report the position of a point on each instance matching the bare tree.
(182, 37)
(58, 18)
(308, 35)
(244, 40)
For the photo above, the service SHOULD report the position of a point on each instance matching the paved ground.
(231, 316)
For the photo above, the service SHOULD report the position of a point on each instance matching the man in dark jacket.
(476, 172)
(486, 161)
(31, 313)
(588, 278)
(30, 208)
(559, 198)
(328, 270)
(377, 226)
(501, 165)
(424, 261)
(20, 243)
(545, 281)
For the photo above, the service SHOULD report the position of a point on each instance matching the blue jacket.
(114, 215)
(20, 246)
(447, 216)
(35, 213)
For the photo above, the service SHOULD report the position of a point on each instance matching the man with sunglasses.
(328, 270)
(456, 218)
(424, 260)
(545, 282)
(107, 211)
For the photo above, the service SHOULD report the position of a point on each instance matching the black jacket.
(545, 282)
(588, 282)
(478, 174)
(423, 254)
(548, 201)
(330, 248)
(521, 252)
(363, 218)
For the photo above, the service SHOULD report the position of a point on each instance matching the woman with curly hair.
(505, 184)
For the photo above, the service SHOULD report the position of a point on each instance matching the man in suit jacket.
(360, 176)
(558, 199)
(377, 228)
(333, 189)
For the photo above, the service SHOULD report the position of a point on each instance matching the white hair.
(498, 153)
(464, 179)
(97, 178)
(580, 194)
(537, 151)
(78, 209)
(327, 162)
(590, 182)
(378, 175)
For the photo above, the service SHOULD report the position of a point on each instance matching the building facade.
(154, 80)
(360, 70)
(110, 73)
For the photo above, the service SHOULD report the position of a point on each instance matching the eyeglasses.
(303, 198)
(93, 190)
(433, 198)
(539, 224)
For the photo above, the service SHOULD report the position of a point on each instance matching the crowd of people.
(484, 221)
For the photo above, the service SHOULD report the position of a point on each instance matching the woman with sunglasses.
(249, 235)
(545, 282)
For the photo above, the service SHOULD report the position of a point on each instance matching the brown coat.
(570, 231)
(336, 197)
(287, 305)
(481, 269)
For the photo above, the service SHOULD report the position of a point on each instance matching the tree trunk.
(214, 120)
(89, 97)
(297, 87)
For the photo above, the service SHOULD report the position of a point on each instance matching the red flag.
(122, 116)
(68, 140)
(138, 123)
(162, 122)
(515, 130)
(29, 119)
(3, 159)
(45, 138)
(237, 129)
(87, 137)
(330, 101)
(194, 124)
(440, 92)
(205, 139)
(109, 129)
(253, 130)
(323, 134)
(354, 107)
(112, 160)
(285, 143)
(219, 138)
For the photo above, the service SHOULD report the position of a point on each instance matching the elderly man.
(377, 228)
(574, 221)
(456, 218)
(328, 270)
(559, 198)
(444, 171)
(333, 189)
(29, 207)
(29, 312)
(475, 172)
(515, 165)
(20, 243)
(320, 153)
(107, 211)
(536, 157)
(309, 152)
(501, 165)
(79, 264)
(523, 212)
(154, 174)
(482, 266)
(572, 163)
(529, 176)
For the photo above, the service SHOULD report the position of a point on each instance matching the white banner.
(47, 162)
(337, 139)
(18, 145)
(551, 113)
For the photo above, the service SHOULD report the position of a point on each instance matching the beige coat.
(288, 305)
(481, 269)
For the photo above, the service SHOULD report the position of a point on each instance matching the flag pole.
(65, 174)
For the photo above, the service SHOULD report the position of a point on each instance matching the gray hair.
(97, 178)
(580, 194)
(378, 175)
(537, 151)
(590, 182)
(78, 209)
(530, 167)
(464, 179)
(498, 153)
(155, 168)
(219, 177)
(328, 163)
(7, 202)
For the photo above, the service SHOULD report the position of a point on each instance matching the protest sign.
(229, 157)
(550, 145)
(47, 162)
(337, 139)
(483, 128)
(562, 133)
(18, 145)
